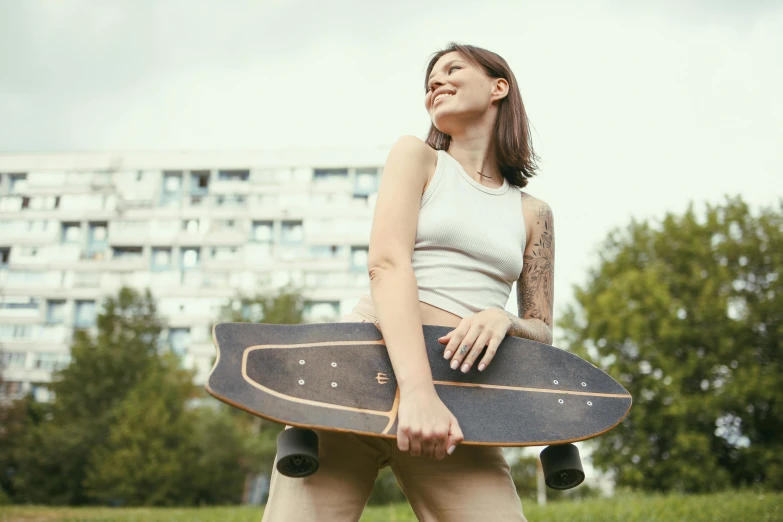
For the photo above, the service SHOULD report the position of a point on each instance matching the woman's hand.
(465, 343)
(425, 426)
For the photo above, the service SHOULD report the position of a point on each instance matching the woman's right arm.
(424, 425)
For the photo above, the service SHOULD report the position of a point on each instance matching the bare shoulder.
(412, 145)
(413, 152)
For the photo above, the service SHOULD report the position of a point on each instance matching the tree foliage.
(104, 368)
(124, 427)
(688, 315)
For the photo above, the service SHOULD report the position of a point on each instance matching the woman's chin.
(446, 123)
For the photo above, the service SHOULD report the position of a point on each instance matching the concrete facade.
(195, 228)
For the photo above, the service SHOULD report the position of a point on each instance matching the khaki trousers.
(472, 485)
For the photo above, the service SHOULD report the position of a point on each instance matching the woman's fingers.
(476, 350)
(455, 339)
(403, 441)
(466, 345)
(455, 436)
(492, 349)
(415, 445)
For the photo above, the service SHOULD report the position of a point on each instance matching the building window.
(172, 185)
(191, 226)
(161, 258)
(190, 258)
(16, 332)
(72, 232)
(359, 258)
(55, 312)
(50, 361)
(11, 389)
(230, 201)
(13, 359)
(199, 182)
(233, 175)
(19, 306)
(365, 182)
(225, 225)
(5, 255)
(292, 232)
(325, 251)
(18, 183)
(85, 314)
(330, 174)
(126, 253)
(262, 231)
(179, 340)
(96, 238)
(224, 253)
(98, 232)
(172, 181)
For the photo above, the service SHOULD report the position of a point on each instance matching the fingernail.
(482, 366)
(465, 368)
(447, 354)
(451, 450)
(454, 365)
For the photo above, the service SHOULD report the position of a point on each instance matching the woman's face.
(458, 91)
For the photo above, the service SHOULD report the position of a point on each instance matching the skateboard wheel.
(562, 466)
(297, 452)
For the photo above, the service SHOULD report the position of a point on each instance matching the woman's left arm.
(535, 287)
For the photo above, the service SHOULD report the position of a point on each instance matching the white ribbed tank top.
(470, 240)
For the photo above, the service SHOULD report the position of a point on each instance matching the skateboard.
(338, 377)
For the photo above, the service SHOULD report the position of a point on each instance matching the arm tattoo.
(535, 295)
(534, 329)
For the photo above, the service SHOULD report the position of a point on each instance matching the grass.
(731, 506)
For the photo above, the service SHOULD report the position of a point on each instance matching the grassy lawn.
(728, 507)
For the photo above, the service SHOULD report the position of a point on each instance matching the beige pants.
(473, 484)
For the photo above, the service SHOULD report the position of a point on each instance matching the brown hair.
(511, 141)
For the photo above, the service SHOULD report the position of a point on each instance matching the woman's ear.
(499, 89)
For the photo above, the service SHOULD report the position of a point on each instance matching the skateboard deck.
(338, 376)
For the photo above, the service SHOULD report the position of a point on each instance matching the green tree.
(17, 417)
(54, 455)
(688, 315)
(285, 306)
(147, 458)
(225, 452)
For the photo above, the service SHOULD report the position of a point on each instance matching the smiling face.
(459, 91)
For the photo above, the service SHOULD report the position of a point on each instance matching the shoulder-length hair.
(511, 141)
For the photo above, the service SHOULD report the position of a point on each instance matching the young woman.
(451, 233)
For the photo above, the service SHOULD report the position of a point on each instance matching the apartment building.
(195, 228)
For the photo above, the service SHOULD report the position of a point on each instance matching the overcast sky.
(637, 107)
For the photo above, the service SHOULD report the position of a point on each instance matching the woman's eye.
(454, 67)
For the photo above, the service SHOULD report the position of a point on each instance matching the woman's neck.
(475, 156)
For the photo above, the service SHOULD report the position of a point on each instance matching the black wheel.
(562, 466)
(297, 452)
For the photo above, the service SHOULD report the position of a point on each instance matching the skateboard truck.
(297, 452)
(562, 466)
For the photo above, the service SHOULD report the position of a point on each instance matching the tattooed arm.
(535, 287)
